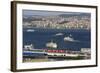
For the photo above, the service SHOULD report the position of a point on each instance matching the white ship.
(51, 45)
(68, 39)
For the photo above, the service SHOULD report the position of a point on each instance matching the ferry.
(68, 39)
(51, 45)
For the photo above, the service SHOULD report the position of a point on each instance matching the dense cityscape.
(62, 21)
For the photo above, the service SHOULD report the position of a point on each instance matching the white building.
(28, 47)
(86, 50)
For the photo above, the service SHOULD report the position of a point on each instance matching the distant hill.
(29, 18)
(72, 15)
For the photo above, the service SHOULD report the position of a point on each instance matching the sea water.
(39, 37)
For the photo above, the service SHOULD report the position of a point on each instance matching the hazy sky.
(46, 13)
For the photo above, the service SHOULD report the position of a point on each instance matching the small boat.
(30, 30)
(28, 47)
(70, 35)
(51, 45)
(68, 39)
(58, 34)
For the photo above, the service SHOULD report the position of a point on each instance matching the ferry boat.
(68, 39)
(51, 45)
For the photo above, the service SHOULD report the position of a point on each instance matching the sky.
(46, 13)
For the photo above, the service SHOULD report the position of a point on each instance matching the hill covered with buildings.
(61, 21)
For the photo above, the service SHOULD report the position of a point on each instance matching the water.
(39, 38)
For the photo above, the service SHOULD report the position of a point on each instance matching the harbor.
(37, 55)
(56, 36)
